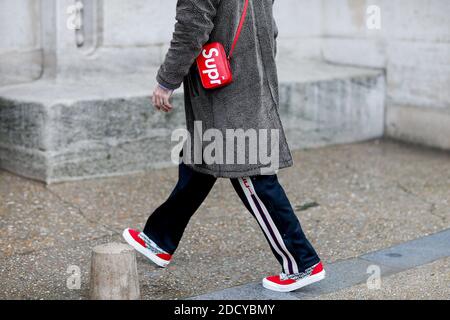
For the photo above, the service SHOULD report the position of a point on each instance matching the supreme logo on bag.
(214, 66)
(213, 63)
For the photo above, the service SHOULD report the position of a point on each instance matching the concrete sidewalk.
(368, 272)
(351, 200)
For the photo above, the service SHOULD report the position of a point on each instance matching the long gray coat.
(251, 101)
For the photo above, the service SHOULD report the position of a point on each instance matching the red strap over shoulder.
(238, 32)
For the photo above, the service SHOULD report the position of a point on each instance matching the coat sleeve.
(192, 29)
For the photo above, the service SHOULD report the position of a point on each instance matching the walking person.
(249, 102)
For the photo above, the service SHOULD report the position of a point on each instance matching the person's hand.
(161, 99)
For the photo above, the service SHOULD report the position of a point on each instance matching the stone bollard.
(114, 273)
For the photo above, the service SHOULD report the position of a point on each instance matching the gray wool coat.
(249, 102)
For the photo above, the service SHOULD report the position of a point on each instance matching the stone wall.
(20, 45)
(413, 45)
(300, 28)
(119, 35)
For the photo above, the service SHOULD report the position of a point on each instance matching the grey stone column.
(114, 273)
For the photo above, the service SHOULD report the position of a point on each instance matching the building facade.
(365, 69)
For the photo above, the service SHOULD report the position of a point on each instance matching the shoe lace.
(284, 276)
(296, 276)
(150, 244)
(293, 276)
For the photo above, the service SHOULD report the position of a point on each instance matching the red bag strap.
(239, 29)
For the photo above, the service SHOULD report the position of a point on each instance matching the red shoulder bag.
(214, 64)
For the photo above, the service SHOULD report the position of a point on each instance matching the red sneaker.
(290, 282)
(147, 247)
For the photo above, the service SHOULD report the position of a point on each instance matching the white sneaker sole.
(146, 252)
(294, 286)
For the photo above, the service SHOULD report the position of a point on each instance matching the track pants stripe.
(268, 226)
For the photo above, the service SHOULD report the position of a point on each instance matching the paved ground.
(369, 270)
(431, 281)
(366, 197)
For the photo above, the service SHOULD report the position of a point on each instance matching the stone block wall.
(20, 41)
(413, 45)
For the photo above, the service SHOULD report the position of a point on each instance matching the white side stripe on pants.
(278, 243)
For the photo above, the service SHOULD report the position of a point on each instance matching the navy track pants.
(262, 195)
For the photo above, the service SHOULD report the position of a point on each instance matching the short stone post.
(114, 273)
